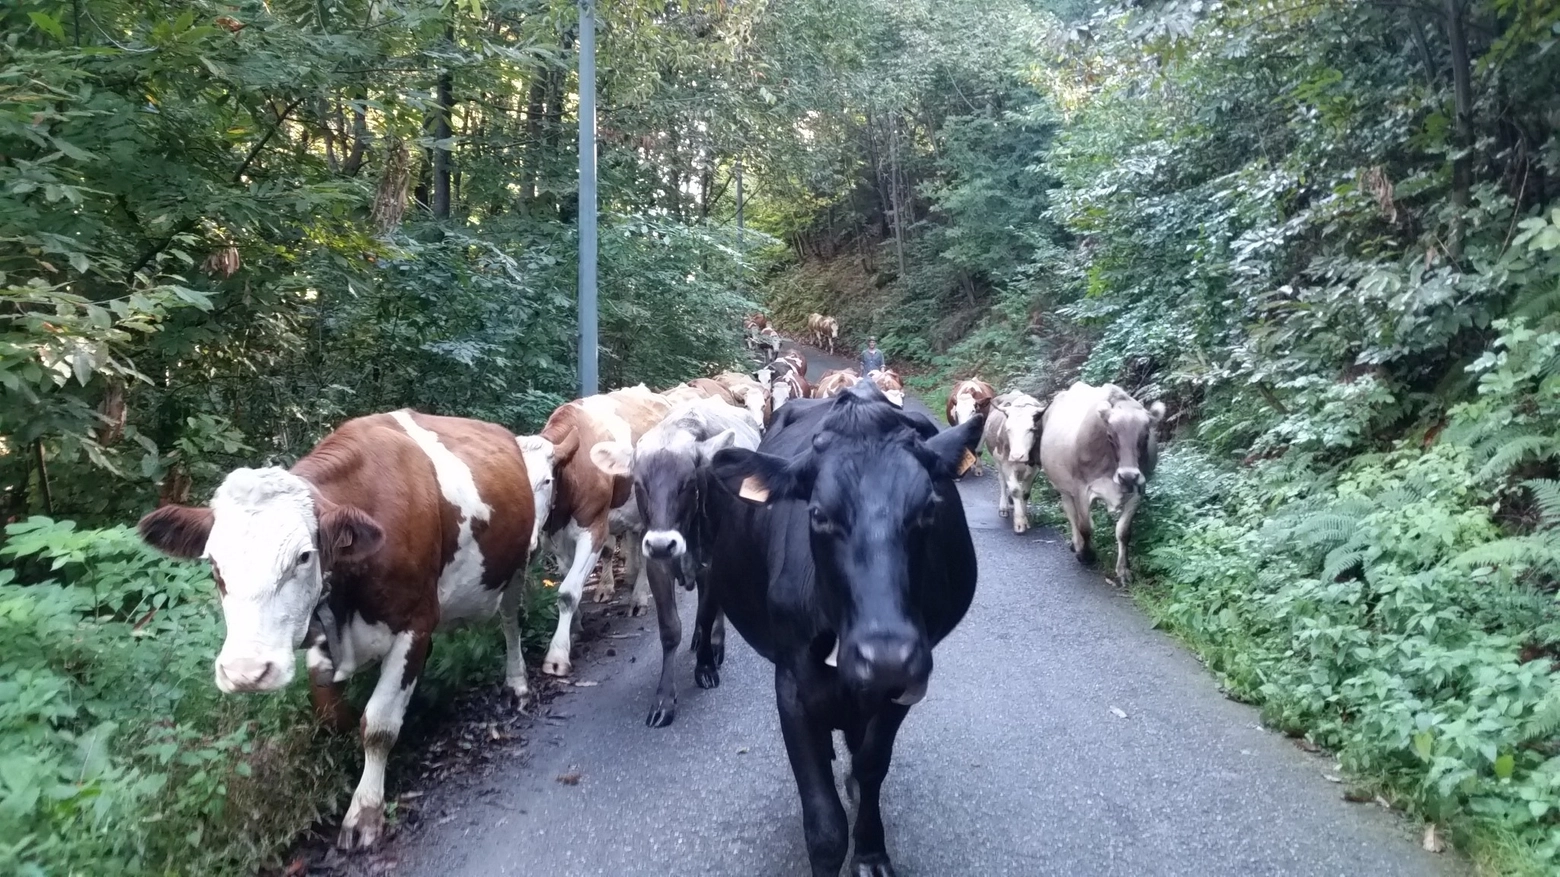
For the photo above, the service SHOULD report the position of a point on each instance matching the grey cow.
(669, 468)
(1012, 435)
(1099, 443)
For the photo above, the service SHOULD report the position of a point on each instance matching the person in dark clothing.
(871, 358)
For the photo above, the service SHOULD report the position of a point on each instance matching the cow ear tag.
(754, 489)
(833, 660)
(966, 462)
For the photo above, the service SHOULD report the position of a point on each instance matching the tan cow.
(710, 388)
(1012, 435)
(835, 382)
(395, 525)
(590, 506)
(890, 383)
(967, 399)
(749, 393)
(825, 330)
(1099, 443)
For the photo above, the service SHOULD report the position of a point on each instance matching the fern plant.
(1537, 552)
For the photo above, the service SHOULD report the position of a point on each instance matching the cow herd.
(822, 520)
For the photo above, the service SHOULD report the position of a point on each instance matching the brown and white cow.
(890, 383)
(393, 526)
(767, 341)
(967, 399)
(1099, 443)
(1012, 435)
(710, 388)
(835, 382)
(750, 394)
(825, 330)
(589, 506)
(788, 386)
(756, 322)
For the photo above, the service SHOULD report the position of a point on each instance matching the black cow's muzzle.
(894, 663)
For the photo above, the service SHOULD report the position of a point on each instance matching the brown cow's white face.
(263, 549)
(263, 535)
(539, 454)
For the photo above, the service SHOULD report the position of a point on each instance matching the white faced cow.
(589, 506)
(672, 487)
(966, 400)
(394, 525)
(1012, 436)
(1099, 443)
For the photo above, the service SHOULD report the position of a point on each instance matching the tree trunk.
(899, 206)
(441, 136)
(1462, 94)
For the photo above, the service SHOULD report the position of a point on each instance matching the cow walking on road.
(672, 487)
(964, 401)
(1013, 438)
(844, 563)
(590, 506)
(1099, 443)
(394, 525)
(825, 331)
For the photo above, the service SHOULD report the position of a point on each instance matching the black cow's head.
(874, 480)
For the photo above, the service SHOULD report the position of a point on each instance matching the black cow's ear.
(177, 530)
(761, 478)
(953, 449)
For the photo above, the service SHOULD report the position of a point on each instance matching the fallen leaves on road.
(1433, 842)
(1332, 778)
(585, 683)
(570, 779)
(1304, 744)
(1120, 713)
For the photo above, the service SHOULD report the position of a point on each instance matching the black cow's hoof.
(706, 677)
(875, 865)
(1086, 556)
(660, 717)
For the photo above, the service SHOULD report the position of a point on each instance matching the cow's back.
(421, 477)
(1074, 449)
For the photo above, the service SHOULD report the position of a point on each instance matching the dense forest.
(1325, 234)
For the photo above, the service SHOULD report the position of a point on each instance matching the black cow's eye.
(820, 520)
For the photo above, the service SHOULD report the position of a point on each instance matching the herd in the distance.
(822, 519)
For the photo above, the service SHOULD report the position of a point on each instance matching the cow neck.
(322, 611)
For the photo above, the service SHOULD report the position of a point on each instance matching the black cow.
(847, 559)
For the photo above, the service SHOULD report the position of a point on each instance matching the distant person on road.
(871, 358)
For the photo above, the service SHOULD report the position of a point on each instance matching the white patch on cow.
(382, 718)
(963, 408)
(754, 403)
(361, 645)
(765, 375)
(897, 397)
(781, 393)
(262, 543)
(579, 539)
(1020, 427)
(539, 453)
(461, 594)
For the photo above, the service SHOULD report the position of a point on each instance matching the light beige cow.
(1012, 436)
(1099, 443)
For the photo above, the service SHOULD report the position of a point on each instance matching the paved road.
(1018, 762)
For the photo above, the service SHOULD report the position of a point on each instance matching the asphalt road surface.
(1061, 735)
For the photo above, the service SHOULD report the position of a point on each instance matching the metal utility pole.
(587, 208)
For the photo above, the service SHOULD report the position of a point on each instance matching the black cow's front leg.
(808, 744)
(664, 710)
(869, 767)
(709, 638)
